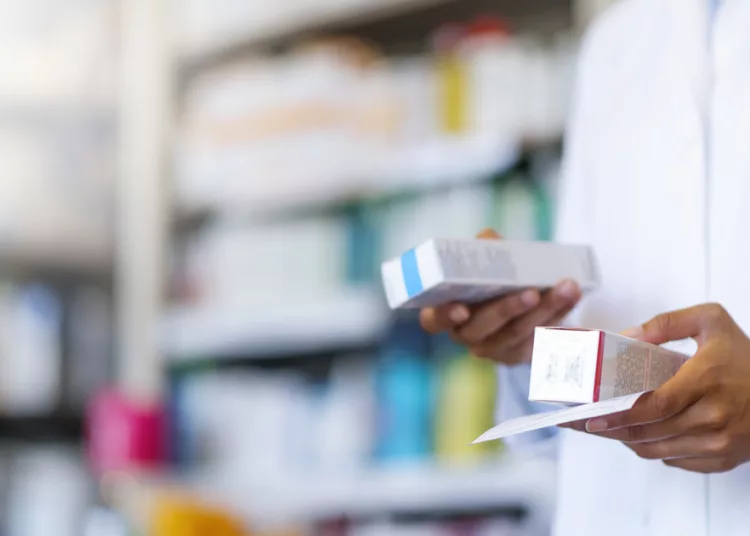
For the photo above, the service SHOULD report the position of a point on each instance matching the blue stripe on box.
(410, 271)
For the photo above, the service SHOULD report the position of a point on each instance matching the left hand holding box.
(502, 329)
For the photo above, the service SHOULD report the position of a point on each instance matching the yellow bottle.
(174, 516)
(466, 407)
(452, 82)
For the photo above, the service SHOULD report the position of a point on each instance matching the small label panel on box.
(476, 260)
(563, 365)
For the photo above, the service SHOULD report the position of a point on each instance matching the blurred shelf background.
(58, 140)
(53, 428)
(390, 23)
(521, 489)
(268, 155)
(311, 143)
(354, 320)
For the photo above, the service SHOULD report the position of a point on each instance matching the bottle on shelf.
(405, 388)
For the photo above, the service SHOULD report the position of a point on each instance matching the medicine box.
(578, 366)
(443, 271)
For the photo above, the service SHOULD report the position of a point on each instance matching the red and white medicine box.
(579, 366)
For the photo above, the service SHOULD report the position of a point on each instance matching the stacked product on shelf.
(335, 120)
(416, 400)
(56, 200)
(49, 479)
(316, 164)
(31, 364)
(245, 266)
(54, 345)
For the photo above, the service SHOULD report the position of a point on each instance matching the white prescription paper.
(563, 416)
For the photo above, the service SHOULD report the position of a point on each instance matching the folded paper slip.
(580, 366)
(443, 271)
(563, 416)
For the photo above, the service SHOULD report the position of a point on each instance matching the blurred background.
(195, 198)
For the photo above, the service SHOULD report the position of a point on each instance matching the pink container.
(124, 434)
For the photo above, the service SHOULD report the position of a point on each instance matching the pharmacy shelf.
(428, 168)
(53, 428)
(54, 261)
(380, 21)
(513, 485)
(298, 23)
(355, 319)
(56, 116)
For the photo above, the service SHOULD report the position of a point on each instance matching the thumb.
(489, 234)
(694, 322)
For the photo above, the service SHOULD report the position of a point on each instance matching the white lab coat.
(657, 179)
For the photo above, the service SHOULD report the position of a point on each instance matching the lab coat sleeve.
(514, 402)
(571, 226)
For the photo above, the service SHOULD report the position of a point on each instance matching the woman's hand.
(699, 420)
(503, 329)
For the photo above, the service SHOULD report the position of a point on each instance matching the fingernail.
(530, 298)
(594, 426)
(568, 289)
(633, 333)
(459, 315)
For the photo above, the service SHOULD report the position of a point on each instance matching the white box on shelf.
(471, 270)
(579, 366)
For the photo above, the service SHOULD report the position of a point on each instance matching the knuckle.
(480, 351)
(648, 452)
(509, 308)
(427, 320)
(489, 234)
(660, 405)
(485, 351)
(720, 445)
(715, 312)
(466, 337)
(717, 416)
(555, 302)
(662, 323)
(712, 375)
(498, 315)
(518, 331)
(635, 433)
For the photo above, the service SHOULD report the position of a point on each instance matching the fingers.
(697, 419)
(553, 306)
(703, 465)
(667, 401)
(489, 234)
(578, 426)
(682, 324)
(704, 446)
(520, 313)
(494, 316)
(439, 319)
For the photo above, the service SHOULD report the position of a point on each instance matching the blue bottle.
(405, 395)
